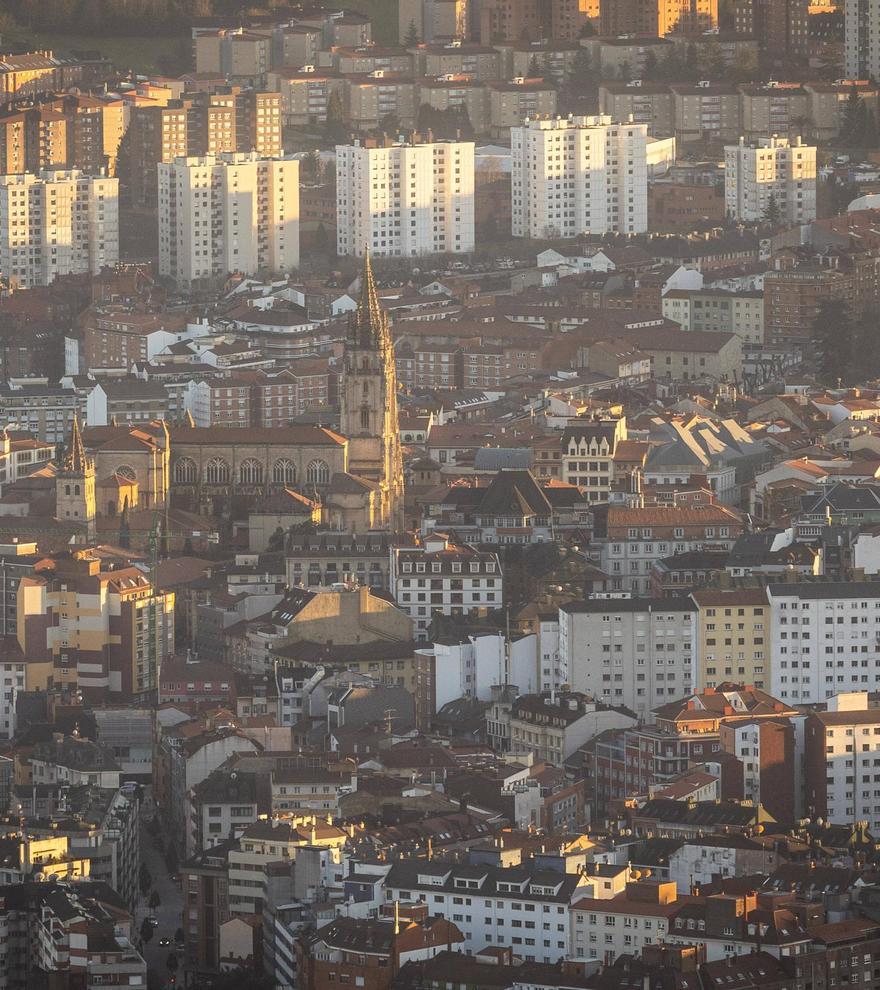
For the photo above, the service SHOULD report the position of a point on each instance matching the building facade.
(228, 213)
(402, 200)
(580, 175)
(62, 222)
(771, 174)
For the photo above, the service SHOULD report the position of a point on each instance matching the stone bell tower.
(369, 401)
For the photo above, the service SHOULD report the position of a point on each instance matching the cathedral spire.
(76, 455)
(368, 325)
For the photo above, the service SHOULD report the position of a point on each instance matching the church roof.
(343, 483)
(76, 460)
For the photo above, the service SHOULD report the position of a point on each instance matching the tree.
(772, 213)
(313, 167)
(852, 125)
(335, 128)
(412, 36)
(651, 67)
(833, 338)
(588, 29)
(155, 900)
(146, 931)
(534, 71)
(124, 527)
(145, 880)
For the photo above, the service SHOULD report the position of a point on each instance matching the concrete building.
(825, 639)
(61, 222)
(588, 455)
(841, 746)
(733, 638)
(862, 39)
(636, 537)
(446, 578)
(579, 175)
(104, 630)
(633, 652)
(773, 171)
(768, 768)
(405, 199)
(228, 213)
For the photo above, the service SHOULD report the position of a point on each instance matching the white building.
(444, 577)
(402, 199)
(471, 667)
(635, 652)
(843, 746)
(861, 59)
(524, 908)
(61, 222)
(772, 167)
(228, 213)
(605, 929)
(825, 639)
(578, 175)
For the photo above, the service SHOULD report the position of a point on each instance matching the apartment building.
(651, 104)
(588, 455)
(524, 908)
(105, 631)
(237, 54)
(482, 63)
(519, 99)
(773, 172)
(554, 726)
(707, 111)
(200, 124)
(432, 19)
(792, 298)
(768, 770)
(45, 410)
(61, 222)
(458, 93)
(377, 95)
(732, 638)
(825, 639)
(636, 537)
(578, 175)
(604, 929)
(717, 311)
(228, 213)
(781, 27)
(842, 760)
(446, 578)
(405, 199)
(861, 39)
(272, 841)
(634, 652)
(305, 92)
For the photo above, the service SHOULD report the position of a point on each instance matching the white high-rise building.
(578, 175)
(61, 222)
(228, 213)
(861, 58)
(405, 199)
(772, 167)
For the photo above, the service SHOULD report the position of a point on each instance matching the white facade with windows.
(629, 651)
(772, 167)
(228, 213)
(606, 929)
(861, 39)
(491, 905)
(578, 175)
(405, 200)
(825, 639)
(60, 222)
(444, 577)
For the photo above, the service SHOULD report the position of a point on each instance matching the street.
(169, 911)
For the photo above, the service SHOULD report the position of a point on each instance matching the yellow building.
(733, 638)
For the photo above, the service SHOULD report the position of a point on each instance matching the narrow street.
(169, 911)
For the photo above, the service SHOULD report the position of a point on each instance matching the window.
(251, 472)
(283, 472)
(318, 473)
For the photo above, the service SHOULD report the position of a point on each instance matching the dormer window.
(407, 568)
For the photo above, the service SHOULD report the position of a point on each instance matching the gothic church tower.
(369, 401)
(75, 485)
